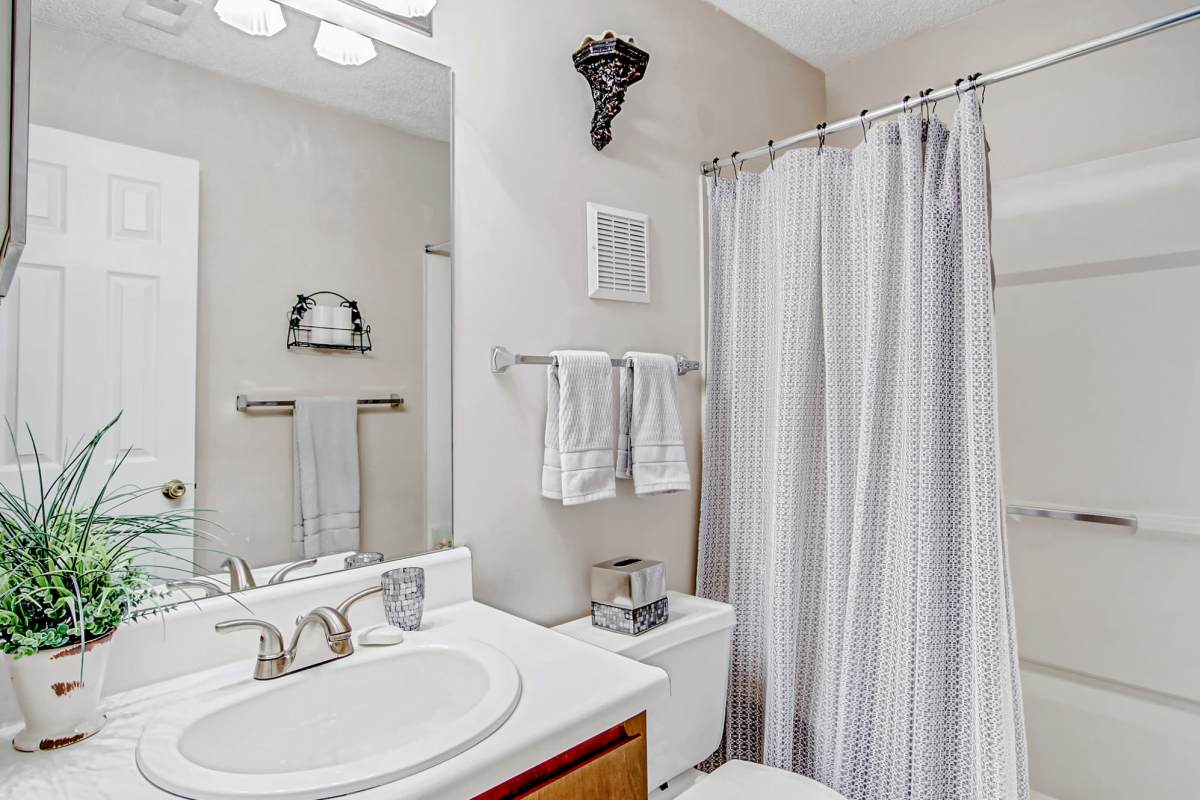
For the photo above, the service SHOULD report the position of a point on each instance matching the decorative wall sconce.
(611, 65)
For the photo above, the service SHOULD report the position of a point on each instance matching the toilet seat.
(741, 780)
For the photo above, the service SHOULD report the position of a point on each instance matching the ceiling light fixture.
(255, 17)
(406, 8)
(341, 46)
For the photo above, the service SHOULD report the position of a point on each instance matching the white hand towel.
(577, 465)
(650, 443)
(325, 476)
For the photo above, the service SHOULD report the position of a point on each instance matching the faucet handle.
(270, 640)
(343, 607)
(281, 575)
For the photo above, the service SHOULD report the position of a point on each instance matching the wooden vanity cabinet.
(608, 766)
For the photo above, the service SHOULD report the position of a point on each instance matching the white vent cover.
(618, 254)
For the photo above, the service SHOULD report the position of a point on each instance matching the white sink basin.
(344, 726)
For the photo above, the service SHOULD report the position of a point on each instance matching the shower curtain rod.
(979, 81)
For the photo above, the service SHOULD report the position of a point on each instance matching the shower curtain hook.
(862, 120)
(982, 90)
(957, 93)
(771, 152)
(821, 137)
(904, 102)
(716, 167)
(924, 114)
(733, 160)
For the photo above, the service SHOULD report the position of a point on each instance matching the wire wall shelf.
(305, 328)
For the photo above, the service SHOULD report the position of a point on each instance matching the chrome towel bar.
(502, 358)
(244, 403)
(1075, 516)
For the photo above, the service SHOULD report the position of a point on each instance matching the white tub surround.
(569, 690)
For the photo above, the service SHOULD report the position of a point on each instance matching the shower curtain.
(851, 506)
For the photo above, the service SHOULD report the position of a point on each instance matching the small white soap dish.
(381, 636)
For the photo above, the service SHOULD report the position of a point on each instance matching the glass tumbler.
(362, 559)
(404, 597)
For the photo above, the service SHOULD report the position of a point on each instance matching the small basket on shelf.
(327, 327)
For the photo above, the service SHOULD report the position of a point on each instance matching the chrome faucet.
(274, 661)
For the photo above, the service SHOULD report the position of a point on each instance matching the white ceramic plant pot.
(60, 706)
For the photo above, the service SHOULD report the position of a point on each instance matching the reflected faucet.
(210, 588)
(240, 576)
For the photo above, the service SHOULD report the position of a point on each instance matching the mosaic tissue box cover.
(629, 595)
(631, 621)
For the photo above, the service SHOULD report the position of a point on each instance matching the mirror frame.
(13, 241)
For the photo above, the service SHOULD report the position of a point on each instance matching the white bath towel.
(650, 441)
(325, 476)
(577, 464)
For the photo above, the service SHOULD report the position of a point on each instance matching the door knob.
(174, 490)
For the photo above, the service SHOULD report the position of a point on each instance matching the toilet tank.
(692, 647)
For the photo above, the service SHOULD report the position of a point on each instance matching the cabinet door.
(609, 766)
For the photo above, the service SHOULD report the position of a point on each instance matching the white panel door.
(102, 315)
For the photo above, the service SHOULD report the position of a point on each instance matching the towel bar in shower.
(503, 358)
(244, 403)
(1075, 516)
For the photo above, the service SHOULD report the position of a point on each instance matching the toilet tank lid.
(690, 618)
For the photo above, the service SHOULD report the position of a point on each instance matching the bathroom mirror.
(14, 107)
(190, 185)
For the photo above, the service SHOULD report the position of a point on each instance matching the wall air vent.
(618, 254)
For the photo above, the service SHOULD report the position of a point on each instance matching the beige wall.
(294, 197)
(524, 170)
(1129, 97)
(1094, 183)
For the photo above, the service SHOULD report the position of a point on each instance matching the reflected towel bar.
(1075, 516)
(502, 358)
(244, 403)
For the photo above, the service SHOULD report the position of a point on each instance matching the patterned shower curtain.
(851, 505)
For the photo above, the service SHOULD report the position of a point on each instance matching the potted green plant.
(70, 574)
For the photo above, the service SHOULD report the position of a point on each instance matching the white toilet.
(693, 649)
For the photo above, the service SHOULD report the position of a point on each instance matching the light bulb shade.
(342, 46)
(255, 17)
(405, 8)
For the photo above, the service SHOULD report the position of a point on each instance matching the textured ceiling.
(828, 32)
(396, 88)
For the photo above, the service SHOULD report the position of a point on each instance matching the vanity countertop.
(570, 691)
